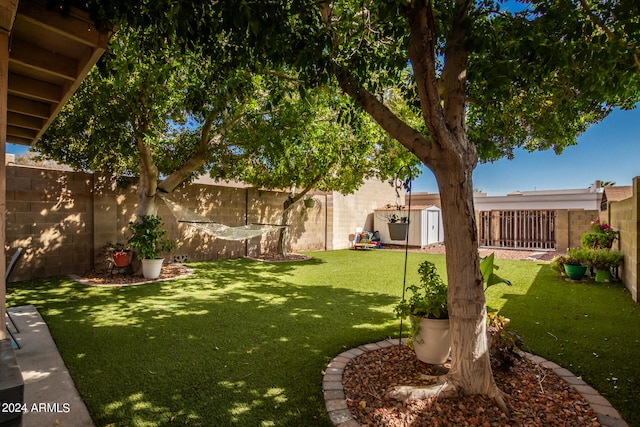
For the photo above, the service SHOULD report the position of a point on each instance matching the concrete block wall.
(50, 215)
(355, 210)
(225, 205)
(623, 216)
(570, 225)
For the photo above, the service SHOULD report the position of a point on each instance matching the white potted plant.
(429, 314)
(149, 241)
(427, 310)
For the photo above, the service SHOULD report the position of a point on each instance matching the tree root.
(444, 388)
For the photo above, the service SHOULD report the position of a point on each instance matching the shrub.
(429, 299)
(602, 236)
(577, 256)
(605, 259)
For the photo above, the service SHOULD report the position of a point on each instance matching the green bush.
(147, 237)
(429, 299)
(605, 259)
(602, 236)
(557, 263)
(577, 256)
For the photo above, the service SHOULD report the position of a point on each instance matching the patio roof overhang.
(50, 53)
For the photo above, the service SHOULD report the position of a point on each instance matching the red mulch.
(536, 396)
(106, 277)
(272, 257)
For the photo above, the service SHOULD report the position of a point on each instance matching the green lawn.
(244, 343)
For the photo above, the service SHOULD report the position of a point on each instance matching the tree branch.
(392, 124)
(413, 140)
(454, 73)
(422, 39)
(194, 162)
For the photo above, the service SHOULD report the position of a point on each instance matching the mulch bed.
(536, 396)
(109, 278)
(272, 257)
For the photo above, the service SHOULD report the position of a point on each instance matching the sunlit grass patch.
(245, 343)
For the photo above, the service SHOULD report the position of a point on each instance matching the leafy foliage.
(604, 259)
(601, 236)
(429, 299)
(147, 237)
(487, 269)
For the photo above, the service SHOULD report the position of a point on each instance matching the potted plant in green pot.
(429, 316)
(149, 241)
(603, 260)
(576, 262)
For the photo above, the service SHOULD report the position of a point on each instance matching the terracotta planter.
(121, 258)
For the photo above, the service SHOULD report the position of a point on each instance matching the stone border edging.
(340, 415)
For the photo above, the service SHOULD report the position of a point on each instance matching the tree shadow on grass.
(592, 329)
(237, 343)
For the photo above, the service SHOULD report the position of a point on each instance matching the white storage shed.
(425, 225)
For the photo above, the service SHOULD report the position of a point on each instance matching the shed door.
(433, 223)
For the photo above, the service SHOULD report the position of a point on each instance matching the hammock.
(215, 229)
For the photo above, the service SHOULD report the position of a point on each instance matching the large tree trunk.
(470, 364)
(282, 234)
(448, 153)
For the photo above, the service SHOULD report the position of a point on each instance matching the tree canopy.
(165, 115)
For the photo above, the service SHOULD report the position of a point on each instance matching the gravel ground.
(535, 395)
(516, 254)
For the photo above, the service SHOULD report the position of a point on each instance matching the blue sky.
(609, 151)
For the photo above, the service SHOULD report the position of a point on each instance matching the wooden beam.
(87, 64)
(28, 107)
(4, 72)
(21, 132)
(23, 121)
(76, 26)
(8, 10)
(34, 89)
(18, 140)
(43, 60)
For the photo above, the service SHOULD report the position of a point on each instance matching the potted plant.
(575, 263)
(429, 316)
(116, 255)
(309, 202)
(602, 236)
(603, 260)
(428, 310)
(148, 240)
(397, 223)
(121, 255)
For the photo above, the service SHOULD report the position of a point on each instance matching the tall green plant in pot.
(603, 260)
(428, 311)
(429, 316)
(149, 241)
